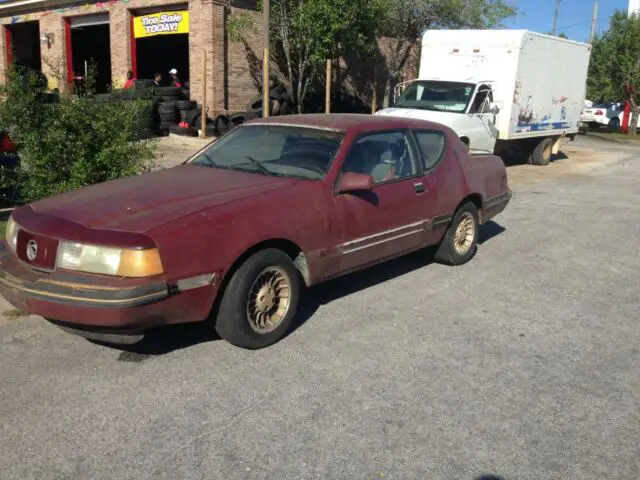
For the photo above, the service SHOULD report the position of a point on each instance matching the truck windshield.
(437, 95)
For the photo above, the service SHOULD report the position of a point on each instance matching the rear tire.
(260, 301)
(614, 123)
(460, 242)
(541, 155)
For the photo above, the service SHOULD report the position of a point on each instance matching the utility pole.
(266, 99)
(555, 18)
(594, 21)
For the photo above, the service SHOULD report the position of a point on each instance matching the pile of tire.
(281, 101)
(146, 123)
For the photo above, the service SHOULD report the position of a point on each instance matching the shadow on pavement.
(325, 293)
(163, 340)
(489, 477)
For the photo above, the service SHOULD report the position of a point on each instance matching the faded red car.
(234, 233)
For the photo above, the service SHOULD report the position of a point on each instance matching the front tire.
(260, 301)
(541, 155)
(460, 242)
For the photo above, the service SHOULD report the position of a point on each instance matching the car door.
(392, 218)
(484, 131)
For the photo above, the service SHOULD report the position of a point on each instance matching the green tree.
(66, 142)
(306, 33)
(614, 71)
(406, 20)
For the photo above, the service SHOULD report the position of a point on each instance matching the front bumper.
(91, 304)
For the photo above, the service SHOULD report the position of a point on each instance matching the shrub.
(66, 142)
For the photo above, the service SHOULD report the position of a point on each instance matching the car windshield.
(437, 95)
(284, 151)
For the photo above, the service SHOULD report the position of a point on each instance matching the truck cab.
(467, 107)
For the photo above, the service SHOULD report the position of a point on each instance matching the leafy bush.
(66, 142)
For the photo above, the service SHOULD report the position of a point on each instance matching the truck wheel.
(460, 242)
(541, 155)
(260, 301)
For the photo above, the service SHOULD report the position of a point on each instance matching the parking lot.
(523, 364)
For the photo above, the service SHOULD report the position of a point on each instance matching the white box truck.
(504, 92)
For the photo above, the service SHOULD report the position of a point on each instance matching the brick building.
(145, 36)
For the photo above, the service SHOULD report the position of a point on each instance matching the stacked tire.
(166, 100)
(281, 102)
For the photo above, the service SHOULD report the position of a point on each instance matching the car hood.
(143, 202)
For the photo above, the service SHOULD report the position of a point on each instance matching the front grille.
(37, 251)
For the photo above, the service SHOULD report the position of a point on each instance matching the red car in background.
(234, 233)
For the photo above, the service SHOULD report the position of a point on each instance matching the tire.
(185, 131)
(614, 123)
(255, 105)
(167, 107)
(166, 125)
(191, 114)
(169, 91)
(233, 323)
(286, 108)
(186, 105)
(451, 250)
(145, 134)
(222, 124)
(143, 84)
(135, 94)
(541, 155)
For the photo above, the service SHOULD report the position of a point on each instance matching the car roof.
(346, 122)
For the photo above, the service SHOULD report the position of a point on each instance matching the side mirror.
(354, 182)
(494, 107)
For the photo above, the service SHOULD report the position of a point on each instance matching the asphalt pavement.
(522, 364)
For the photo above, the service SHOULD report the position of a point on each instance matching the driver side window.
(385, 156)
(482, 100)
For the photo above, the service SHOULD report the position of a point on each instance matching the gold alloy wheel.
(465, 233)
(269, 300)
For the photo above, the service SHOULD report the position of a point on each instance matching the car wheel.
(460, 242)
(260, 301)
(614, 123)
(541, 155)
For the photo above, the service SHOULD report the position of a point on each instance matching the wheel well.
(476, 199)
(466, 141)
(290, 248)
(287, 246)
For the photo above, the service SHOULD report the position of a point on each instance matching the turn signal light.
(599, 112)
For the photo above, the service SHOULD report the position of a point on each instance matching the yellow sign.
(163, 23)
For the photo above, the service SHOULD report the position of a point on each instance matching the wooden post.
(266, 99)
(374, 96)
(203, 111)
(327, 92)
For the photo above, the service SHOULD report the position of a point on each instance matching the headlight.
(119, 262)
(11, 234)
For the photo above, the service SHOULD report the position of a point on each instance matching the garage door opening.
(161, 43)
(25, 45)
(161, 54)
(90, 52)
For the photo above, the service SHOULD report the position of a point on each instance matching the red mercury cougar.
(233, 234)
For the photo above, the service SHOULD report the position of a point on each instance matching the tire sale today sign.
(163, 23)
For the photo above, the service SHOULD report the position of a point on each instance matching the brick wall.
(234, 69)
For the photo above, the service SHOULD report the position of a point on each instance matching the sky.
(574, 18)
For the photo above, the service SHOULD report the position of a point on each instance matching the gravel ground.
(524, 363)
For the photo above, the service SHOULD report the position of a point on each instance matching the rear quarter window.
(431, 145)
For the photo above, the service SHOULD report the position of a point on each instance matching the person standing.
(157, 78)
(130, 82)
(175, 80)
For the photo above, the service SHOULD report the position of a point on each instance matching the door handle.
(420, 188)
